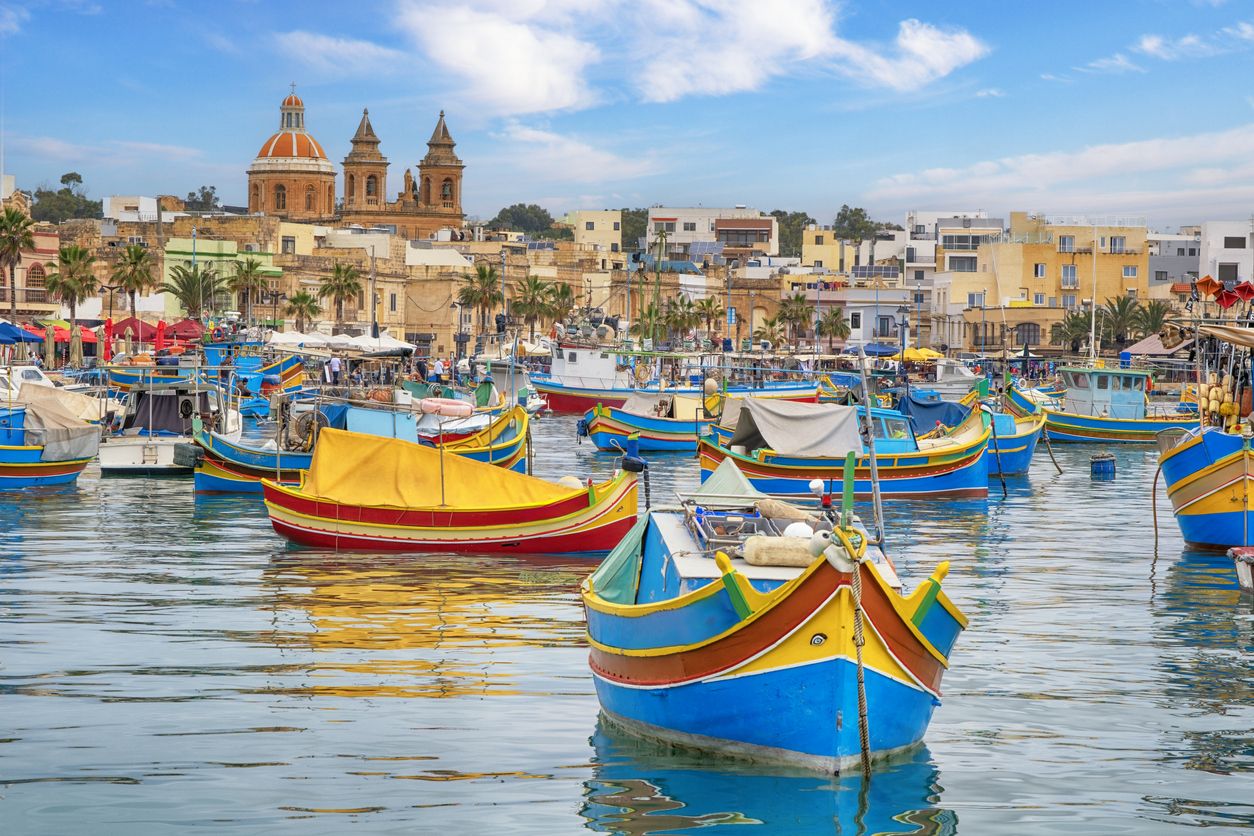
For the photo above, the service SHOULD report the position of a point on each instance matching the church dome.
(293, 100)
(291, 144)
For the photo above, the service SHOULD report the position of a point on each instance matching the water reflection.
(643, 788)
(397, 626)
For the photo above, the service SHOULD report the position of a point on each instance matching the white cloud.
(1061, 79)
(114, 152)
(1170, 49)
(339, 56)
(1182, 171)
(990, 93)
(563, 159)
(923, 54)
(507, 61)
(1116, 64)
(11, 19)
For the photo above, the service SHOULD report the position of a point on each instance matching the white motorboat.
(160, 417)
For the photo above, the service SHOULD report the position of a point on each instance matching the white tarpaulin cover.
(381, 343)
(295, 338)
(84, 407)
(811, 430)
(61, 433)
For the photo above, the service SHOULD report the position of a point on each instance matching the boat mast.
(1093, 305)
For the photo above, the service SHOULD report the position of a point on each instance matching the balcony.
(34, 295)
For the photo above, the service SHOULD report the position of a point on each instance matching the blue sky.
(1097, 107)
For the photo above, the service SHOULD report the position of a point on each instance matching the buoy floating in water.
(1102, 466)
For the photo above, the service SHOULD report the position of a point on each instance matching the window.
(280, 197)
(1069, 278)
(963, 263)
(918, 275)
(392, 302)
(1192, 250)
(372, 186)
(617, 226)
(818, 240)
(1079, 380)
(1118, 244)
(1066, 243)
(664, 226)
(1227, 274)
(1038, 298)
(1129, 271)
(690, 226)
(1160, 275)
(1027, 333)
(289, 244)
(1132, 293)
(1103, 381)
(1038, 270)
(589, 225)
(1068, 300)
(918, 297)
(1179, 250)
(613, 246)
(855, 319)
(975, 300)
(309, 198)
(1234, 242)
(818, 262)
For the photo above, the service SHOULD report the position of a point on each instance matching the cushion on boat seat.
(761, 550)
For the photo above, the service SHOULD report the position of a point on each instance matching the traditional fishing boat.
(780, 447)
(43, 443)
(224, 465)
(583, 376)
(1100, 405)
(385, 494)
(731, 624)
(158, 419)
(663, 422)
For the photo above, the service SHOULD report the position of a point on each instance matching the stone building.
(291, 177)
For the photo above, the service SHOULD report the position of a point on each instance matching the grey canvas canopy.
(824, 430)
(644, 403)
(61, 433)
(726, 487)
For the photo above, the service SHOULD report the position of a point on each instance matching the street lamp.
(273, 297)
(903, 325)
(460, 338)
(111, 289)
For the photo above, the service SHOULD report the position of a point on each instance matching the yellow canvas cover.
(355, 469)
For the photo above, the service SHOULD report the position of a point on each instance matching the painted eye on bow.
(818, 638)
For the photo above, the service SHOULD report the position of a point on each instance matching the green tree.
(194, 286)
(833, 325)
(792, 227)
(531, 300)
(528, 218)
(69, 201)
(796, 312)
(134, 274)
(770, 331)
(1071, 330)
(647, 323)
(16, 235)
(247, 282)
(74, 280)
(710, 309)
(304, 306)
(204, 199)
(481, 291)
(854, 225)
(680, 316)
(1151, 317)
(343, 284)
(635, 226)
(561, 301)
(1117, 318)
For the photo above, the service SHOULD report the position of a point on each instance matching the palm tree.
(15, 236)
(532, 299)
(647, 323)
(304, 306)
(1117, 317)
(709, 309)
(796, 312)
(680, 316)
(1151, 317)
(833, 325)
(74, 280)
(192, 286)
(247, 280)
(481, 290)
(133, 274)
(770, 331)
(1072, 330)
(561, 301)
(343, 283)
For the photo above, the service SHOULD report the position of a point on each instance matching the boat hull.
(139, 456)
(1011, 455)
(608, 428)
(1070, 427)
(577, 399)
(1210, 483)
(21, 467)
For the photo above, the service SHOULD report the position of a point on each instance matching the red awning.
(140, 330)
(185, 329)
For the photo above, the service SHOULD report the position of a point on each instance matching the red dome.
(293, 100)
(292, 144)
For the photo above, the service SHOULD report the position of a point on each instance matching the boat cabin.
(12, 378)
(1105, 393)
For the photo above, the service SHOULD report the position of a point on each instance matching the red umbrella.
(1227, 298)
(60, 335)
(1245, 290)
(139, 329)
(32, 329)
(107, 354)
(186, 329)
(159, 339)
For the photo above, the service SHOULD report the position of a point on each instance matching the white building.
(1225, 252)
(740, 231)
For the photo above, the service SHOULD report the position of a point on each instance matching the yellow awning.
(355, 469)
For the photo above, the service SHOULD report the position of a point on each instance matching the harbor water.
(167, 664)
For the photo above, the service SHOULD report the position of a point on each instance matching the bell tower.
(440, 174)
(365, 169)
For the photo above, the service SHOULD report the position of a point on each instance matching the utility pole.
(374, 300)
(657, 278)
(199, 282)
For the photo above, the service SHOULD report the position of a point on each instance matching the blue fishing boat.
(1012, 439)
(728, 625)
(1210, 483)
(1100, 405)
(664, 423)
(42, 444)
(781, 447)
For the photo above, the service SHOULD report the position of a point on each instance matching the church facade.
(292, 178)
